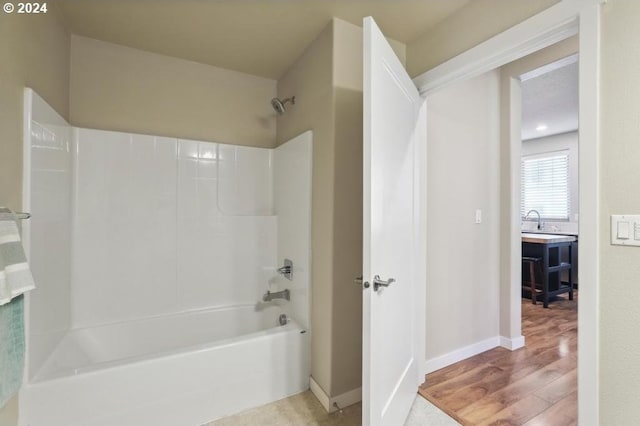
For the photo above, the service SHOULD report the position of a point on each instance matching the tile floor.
(304, 409)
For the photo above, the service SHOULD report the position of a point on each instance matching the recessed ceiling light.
(541, 127)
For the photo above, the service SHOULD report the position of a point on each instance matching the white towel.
(15, 275)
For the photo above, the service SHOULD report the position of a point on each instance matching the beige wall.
(347, 249)
(310, 81)
(510, 148)
(327, 82)
(347, 240)
(348, 54)
(346, 370)
(9, 413)
(619, 181)
(120, 88)
(474, 23)
(34, 52)
(463, 257)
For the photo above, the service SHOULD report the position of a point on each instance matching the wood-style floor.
(535, 385)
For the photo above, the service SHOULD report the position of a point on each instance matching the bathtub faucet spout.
(269, 296)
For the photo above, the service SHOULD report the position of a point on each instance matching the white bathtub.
(178, 370)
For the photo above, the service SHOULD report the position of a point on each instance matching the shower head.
(279, 105)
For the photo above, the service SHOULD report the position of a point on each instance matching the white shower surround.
(162, 231)
(165, 225)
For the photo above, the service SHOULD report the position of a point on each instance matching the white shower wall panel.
(125, 227)
(150, 237)
(246, 180)
(46, 236)
(292, 178)
(225, 256)
(227, 262)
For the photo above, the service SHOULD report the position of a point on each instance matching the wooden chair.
(529, 264)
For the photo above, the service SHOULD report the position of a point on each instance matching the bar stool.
(530, 264)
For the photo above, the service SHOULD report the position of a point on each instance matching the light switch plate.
(625, 230)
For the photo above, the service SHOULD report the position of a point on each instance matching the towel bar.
(23, 215)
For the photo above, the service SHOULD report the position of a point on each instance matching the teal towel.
(11, 348)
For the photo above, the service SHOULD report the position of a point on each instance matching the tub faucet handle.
(286, 270)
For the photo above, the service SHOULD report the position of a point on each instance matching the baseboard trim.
(442, 361)
(343, 400)
(319, 393)
(512, 344)
(346, 399)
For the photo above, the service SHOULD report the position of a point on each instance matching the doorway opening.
(558, 23)
(549, 181)
(488, 387)
(549, 214)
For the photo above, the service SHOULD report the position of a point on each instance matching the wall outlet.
(478, 216)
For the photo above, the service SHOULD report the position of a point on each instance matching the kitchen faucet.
(539, 220)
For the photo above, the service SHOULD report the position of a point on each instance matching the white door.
(394, 217)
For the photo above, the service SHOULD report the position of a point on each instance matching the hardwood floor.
(532, 386)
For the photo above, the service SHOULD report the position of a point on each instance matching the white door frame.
(567, 18)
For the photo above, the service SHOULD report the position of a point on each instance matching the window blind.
(545, 185)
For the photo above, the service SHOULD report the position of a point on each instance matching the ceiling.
(260, 37)
(550, 98)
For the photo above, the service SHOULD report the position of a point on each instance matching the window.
(545, 185)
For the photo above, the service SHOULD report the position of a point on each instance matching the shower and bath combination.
(279, 105)
(255, 207)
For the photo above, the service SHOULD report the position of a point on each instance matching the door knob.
(377, 282)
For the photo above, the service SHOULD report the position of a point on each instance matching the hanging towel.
(15, 275)
(11, 349)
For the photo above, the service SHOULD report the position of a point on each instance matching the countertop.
(548, 232)
(546, 238)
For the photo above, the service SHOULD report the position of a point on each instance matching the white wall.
(47, 235)
(164, 225)
(292, 169)
(563, 141)
(463, 257)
